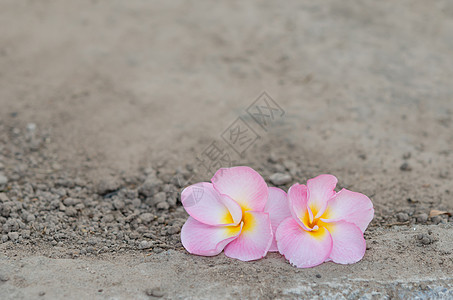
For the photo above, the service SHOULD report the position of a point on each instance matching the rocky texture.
(176, 274)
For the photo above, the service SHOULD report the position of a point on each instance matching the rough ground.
(106, 105)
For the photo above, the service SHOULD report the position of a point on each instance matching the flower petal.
(207, 205)
(298, 198)
(320, 190)
(348, 242)
(255, 239)
(244, 185)
(351, 207)
(278, 208)
(304, 249)
(207, 240)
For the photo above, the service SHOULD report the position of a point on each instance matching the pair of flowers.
(240, 214)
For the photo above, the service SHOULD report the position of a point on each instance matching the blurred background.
(366, 87)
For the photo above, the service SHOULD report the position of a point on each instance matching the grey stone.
(426, 240)
(146, 217)
(291, 166)
(30, 218)
(145, 245)
(108, 218)
(436, 220)
(3, 197)
(422, 218)
(4, 277)
(25, 233)
(107, 185)
(150, 186)
(173, 229)
(118, 204)
(405, 167)
(136, 202)
(13, 235)
(159, 197)
(280, 178)
(3, 179)
(163, 206)
(154, 292)
(79, 206)
(70, 201)
(171, 200)
(31, 127)
(402, 217)
(70, 211)
(10, 225)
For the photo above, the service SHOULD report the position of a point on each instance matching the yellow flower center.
(248, 222)
(311, 221)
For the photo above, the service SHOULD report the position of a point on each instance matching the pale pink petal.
(233, 207)
(255, 239)
(207, 205)
(297, 198)
(302, 248)
(207, 240)
(244, 185)
(351, 207)
(348, 243)
(278, 208)
(320, 190)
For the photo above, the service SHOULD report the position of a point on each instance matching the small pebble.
(173, 230)
(160, 197)
(42, 293)
(280, 178)
(4, 277)
(13, 235)
(3, 179)
(30, 218)
(146, 217)
(154, 292)
(70, 211)
(163, 206)
(69, 201)
(436, 220)
(424, 239)
(31, 127)
(402, 217)
(158, 250)
(107, 185)
(118, 204)
(405, 167)
(422, 218)
(145, 245)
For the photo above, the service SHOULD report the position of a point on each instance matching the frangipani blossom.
(278, 209)
(324, 225)
(228, 214)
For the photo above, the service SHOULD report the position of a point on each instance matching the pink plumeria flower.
(228, 214)
(278, 209)
(324, 226)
